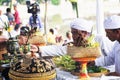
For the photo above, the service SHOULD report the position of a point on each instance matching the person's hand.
(91, 63)
(34, 48)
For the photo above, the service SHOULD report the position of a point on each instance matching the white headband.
(81, 24)
(112, 22)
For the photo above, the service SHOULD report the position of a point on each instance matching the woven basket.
(51, 75)
(37, 40)
(97, 74)
(81, 52)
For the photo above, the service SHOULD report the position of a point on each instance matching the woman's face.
(79, 36)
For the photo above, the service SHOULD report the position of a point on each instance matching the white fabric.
(112, 22)
(81, 24)
(5, 34)
(53, 50)
(105, 44)
(111, 59)
(3, 20)
(15, 33)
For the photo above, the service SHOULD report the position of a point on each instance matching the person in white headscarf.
(80, 29)
(112, 28)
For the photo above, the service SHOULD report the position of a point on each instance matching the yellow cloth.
(51, 38)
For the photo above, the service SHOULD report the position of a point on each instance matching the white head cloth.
(112, 22)
(81, 24)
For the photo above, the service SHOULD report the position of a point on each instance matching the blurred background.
(60, 12)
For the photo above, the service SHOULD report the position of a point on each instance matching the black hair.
(115, 29)
(52, 31)
(8, 10)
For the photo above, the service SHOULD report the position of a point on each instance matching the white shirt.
(111, 59)
(53, 50)
(106, 45)
(3, 20)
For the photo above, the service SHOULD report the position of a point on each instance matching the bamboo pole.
(45, 20)
(100, 17)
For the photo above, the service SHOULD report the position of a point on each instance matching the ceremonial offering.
(83, 55)
(37, 40)
(31, 67)
(87, 51)
(83, 52)
(96, 71)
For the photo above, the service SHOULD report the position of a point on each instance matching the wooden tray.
(91, 74)
(97, 74)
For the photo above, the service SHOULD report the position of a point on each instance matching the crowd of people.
(80, 31)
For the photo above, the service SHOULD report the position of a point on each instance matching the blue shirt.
(38, 23)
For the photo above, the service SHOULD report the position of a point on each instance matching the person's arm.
(102, 61)
(52, 50)
(105, 60)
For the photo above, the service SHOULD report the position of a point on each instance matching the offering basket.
(84, 55)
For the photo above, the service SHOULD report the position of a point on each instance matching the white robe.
(111, 59)
(105, 43)
(53, 50)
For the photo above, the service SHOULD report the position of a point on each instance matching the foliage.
(55, 2)
(4, 61)
(65, 62)
(96, 69)
(91, 42)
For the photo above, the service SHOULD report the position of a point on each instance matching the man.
(36, 23)
(17, 17)
(10, 16)
(80, 29)
(112, 28)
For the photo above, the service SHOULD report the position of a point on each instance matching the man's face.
(112, 34)
(79, 37)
